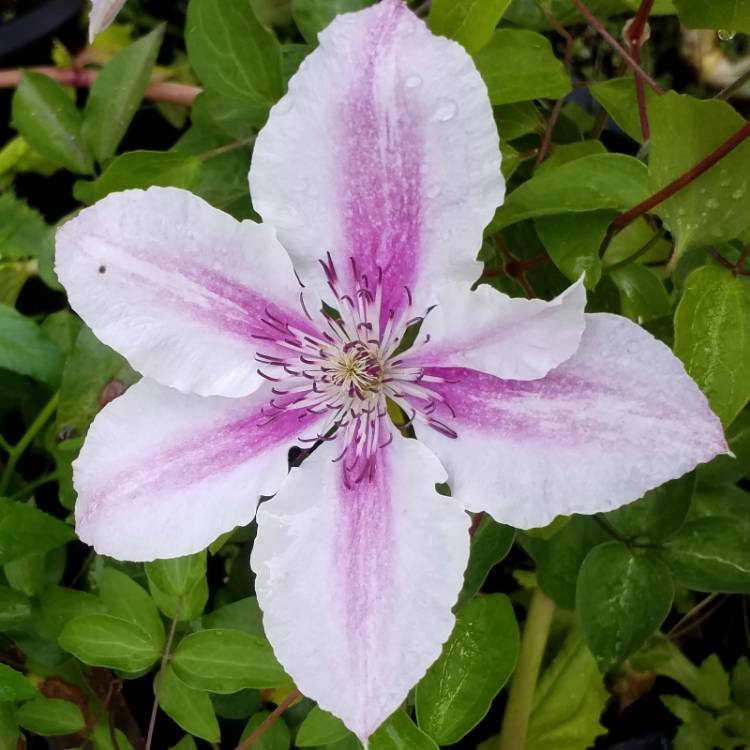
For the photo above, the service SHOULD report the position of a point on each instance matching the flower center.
(348, 372)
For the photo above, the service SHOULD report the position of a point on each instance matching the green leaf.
(23, 231)
(9, 734)
(618, 97)
(622, 598)
(559, 558)
(225, 661)
(594, 182)
(470, 22)
(399, 732)
(568, 701)
(732, 15)
(50, 717)
(186, 743)
(190, 708)
(643, 295)
(573, 242)
(530, 13)
(729, 501)
(477, 660)
(712, 338)
(240, 705)
(537, 73)
(312, 16)
(117, 93)
(230, 118)
(276, 737)
(102, 738)
(59, 605)
(27, 574)
(14, 686)
(658, 514)
(106, 641)
(730, 469)
(15, 608)
(711, 554)
(713, 689)
(179, 585)
(320, 728)
(519, 119)
(489, 545)
(26, 350)
(711, 209)
(24, 530)
(700, 730)
(244, 615)
(47, 118)
(89, 369)
(741, 682)
(141, 169)
(232, 53)
(128, 601)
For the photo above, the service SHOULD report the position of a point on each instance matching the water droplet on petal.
(433, 191)
(726, 35)
(413, 82)
(446, 110)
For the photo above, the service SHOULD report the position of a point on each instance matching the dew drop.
(413, 82)
(446, 110)
(726, 35)
(433, 191)
(712, 203)
(740, 192)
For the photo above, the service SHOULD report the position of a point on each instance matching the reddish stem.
(635, 36)
(624, 54)
(681, 182)
(557, 109)
(157, 91)
(270, 720)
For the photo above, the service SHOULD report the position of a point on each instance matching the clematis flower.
(103, 12)
(378, 172)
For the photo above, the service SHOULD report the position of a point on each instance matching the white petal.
(505, 336)
(356, 585)
(617, 419)
(384, 151)
(102, 14)
(163, 474)
(178, 287)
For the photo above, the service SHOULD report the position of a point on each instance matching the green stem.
(18, 449)
(523, 685)
(160, 677)
(637, 254)
(31, 486)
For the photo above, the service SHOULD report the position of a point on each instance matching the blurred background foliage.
(639, 617)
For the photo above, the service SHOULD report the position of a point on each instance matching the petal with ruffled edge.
(102, 14)
(521, 339)
(179, 288)
(163, 473)
(384, 151)
(356, 583)
(616, 420)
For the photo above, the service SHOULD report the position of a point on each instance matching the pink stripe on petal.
(177, 287)
(384, 151)
(162, 473)
(617, 419)
(356, 593)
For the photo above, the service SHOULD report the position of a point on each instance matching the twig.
(728, 91)
(627, 218)
(557, 109)
(157, 91)
(160, 679)
(685, 625)
(624, 54)
(735, 268)
(635, 36)
(270, 720)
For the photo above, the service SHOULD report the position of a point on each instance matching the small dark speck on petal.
(102, 269)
